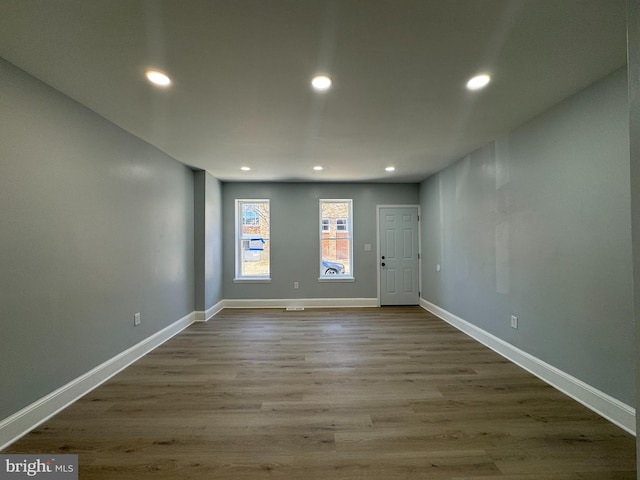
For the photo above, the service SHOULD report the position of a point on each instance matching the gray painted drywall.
(208, 240)
(199, 238)
(96, 225)
(536, 224)
(633, 39)
(295, 237)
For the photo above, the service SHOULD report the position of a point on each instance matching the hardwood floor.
(349, 394)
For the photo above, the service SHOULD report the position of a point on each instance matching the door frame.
(378, 254)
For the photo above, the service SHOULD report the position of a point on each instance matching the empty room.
(351, 239)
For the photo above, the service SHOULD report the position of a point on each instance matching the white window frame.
(239, 278)
(349, 224)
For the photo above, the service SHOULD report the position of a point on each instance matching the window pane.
(250, 214)
(255, 262)
(336, 256)
(252, 255)
(335, 238)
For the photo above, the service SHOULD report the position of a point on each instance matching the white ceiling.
(242, 69)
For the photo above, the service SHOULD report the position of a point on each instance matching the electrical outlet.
(514, 321)
(296, 285)
(136, 319)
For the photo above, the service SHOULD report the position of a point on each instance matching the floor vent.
(295, 309)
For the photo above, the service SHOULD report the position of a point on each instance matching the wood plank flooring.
(344, 394)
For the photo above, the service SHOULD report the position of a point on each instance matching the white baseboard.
(604, 405)
(301, 302)
(22, 422)
(210, 312)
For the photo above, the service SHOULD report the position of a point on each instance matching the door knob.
(382, 264)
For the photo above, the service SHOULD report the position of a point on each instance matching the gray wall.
(96, 225)
(633, 38)
(208, 240)
(536, 224)
(295, 237)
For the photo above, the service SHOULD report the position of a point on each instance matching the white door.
(399, 262)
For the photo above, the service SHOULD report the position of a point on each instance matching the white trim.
(209, 313)
(335, 279)
(301, 302)
(252, 280)
(604, 405)
(22, 422)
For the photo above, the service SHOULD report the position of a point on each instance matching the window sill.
(336, 279)
(252, 280)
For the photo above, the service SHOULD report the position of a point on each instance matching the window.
(336, 243)
(252, 240)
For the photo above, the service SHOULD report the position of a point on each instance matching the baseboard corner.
(209, 313)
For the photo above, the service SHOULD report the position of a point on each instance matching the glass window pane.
(253, 251)
(250, 215)
(335, 238)
(255, 262)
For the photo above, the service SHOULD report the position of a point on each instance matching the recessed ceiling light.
(245, 169)
(158, 78)
(390, 169)
(318, 168)
(321, 83)
(478, 82)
